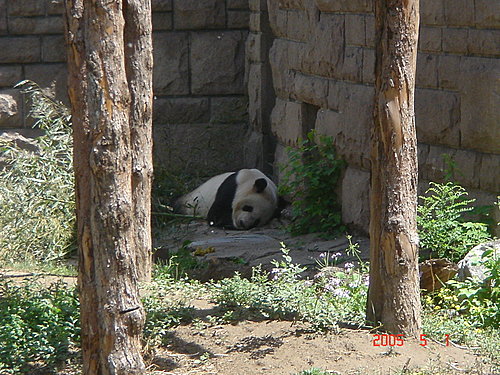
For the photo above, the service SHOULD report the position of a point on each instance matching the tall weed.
(442, 227)
(37, 201)
(310, 179)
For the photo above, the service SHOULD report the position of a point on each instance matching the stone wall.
(321, 53)
(200, 106)
(236, 81)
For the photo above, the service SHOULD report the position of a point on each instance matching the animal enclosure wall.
(236, 81)
(200, 104)
(321, 54)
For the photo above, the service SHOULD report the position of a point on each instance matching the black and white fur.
(233, 200)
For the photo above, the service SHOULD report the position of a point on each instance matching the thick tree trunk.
(112, 182)
(394, 296)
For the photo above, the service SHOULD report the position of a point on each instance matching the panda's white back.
(199, 201)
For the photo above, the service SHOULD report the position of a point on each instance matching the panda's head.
(255, 202)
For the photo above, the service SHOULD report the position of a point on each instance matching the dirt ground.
(282, 348)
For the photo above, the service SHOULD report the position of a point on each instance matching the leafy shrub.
(310, 179)
(39, 326)
(331, 298)
(37, 206)
(480, 301)
(441, 225)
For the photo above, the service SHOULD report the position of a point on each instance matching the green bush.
(332, 297)
(38, 326)
(478, 300)
(37, 200)
(441, 225)
(310, 180)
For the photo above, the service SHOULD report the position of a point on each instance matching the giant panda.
(233, 200)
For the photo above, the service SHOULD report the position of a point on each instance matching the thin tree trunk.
(112, 316)
(139, 66)
(394, 296)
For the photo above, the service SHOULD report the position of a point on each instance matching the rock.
(225, 253)
(9, 109)
(19, 141)
(435, 272)
(472, 266)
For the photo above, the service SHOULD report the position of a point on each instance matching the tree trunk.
(394, 296)
(111, 114)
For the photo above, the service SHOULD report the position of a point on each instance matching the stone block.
(261, 97)
(255, 93)
(288, 121)
(432, 13)
(352, 67)
(487, 13)
(238, 19)
(297, 26)
(277, 21)
(479, 83)
(357, 6)
(261, 5)
(36, 25)
(181, 111)
(52, 78)
(437, 115)
(467, 168)
(53, 48)
(427, 70)
(10, 75)
(19, 50)
(291, 4)
(484, 42)
(489, 178)
(220, 68)
(349, 127)
(161, 5)
(368, 66)
(237, 4)
(310, 89)
(282, 76)
(455, 40)
(355, 30)
(201, 149)
(295, 55)
(370, 31)
(26, 8)
(3, 17)
(431, 164)
(448, 71)
(162, 21)
(171, 63)
(324, 55)
(229, 110)
(10, 109)
(429, 39)
(458, 12)
(254, 49)
(55, 7)
(199, 14)
(355, 198)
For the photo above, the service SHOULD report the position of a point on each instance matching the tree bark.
(111, 115)
(394, 296)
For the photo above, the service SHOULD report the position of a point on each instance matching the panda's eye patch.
(247, 208)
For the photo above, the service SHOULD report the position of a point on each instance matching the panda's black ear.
(260, 185)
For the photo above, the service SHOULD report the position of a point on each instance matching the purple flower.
(342, 293)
